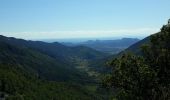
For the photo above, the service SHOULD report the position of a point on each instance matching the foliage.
(15, 85)
(39, 71)
(143, 77)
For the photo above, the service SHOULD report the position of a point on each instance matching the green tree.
(157, 56)
(132, 77)
(146, 77)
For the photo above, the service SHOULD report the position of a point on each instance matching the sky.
(64, 19)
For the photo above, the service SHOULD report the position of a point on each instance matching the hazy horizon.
(74, 40)
(62, 19)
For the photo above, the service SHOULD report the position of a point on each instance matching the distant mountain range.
(106, 46)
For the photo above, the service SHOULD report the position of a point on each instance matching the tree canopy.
(145, 77)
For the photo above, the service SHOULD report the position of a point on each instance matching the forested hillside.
(15, 84)
(145, 74)
(41, 71)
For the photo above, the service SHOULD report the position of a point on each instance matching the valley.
(49, 64)
(107, 46)
(39, 70)
(84, 50)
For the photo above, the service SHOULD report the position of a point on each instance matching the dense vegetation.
(35, 70)
(38, 63)
(41, 71)
(63, 56)
(145, 77)
(16, 85)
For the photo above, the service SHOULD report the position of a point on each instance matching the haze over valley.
(84, 50)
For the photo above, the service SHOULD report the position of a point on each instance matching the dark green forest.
(144, 74)
(35, 70)
(16, 85)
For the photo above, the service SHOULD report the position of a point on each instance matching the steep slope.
(70, 57)
(37, 63)
(143, 74)
(30, 73)
(55, 50)
(135, 48)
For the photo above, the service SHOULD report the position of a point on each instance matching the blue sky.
(57, 19)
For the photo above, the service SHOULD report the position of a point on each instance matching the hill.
(135, 48)
(48, 68)
(107, 46)
(143, 73)
(55, 49)
(36, 62)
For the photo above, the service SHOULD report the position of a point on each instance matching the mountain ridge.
(106, 46)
